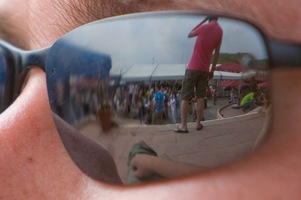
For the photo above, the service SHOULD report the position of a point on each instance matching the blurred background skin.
(34, 163)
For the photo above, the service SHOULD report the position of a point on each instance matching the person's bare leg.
(184, 113)
(199, 112)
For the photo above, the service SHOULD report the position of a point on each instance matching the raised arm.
(192, 32)
(215, 60)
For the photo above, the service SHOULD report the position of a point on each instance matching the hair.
(209, 18)
(82, 12)
(158, 85)
(212, 18)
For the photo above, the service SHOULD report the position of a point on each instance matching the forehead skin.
(30, 33)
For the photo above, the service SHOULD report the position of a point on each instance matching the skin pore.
(35, 165)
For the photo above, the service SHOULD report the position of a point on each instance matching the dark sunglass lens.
(3, 81)
(103, 80)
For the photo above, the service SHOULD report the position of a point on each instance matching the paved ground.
(219, 142)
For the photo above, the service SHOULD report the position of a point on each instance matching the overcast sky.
(161, 40)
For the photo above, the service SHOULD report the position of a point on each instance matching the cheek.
(27, 126)
(286, 95)
(31, 151)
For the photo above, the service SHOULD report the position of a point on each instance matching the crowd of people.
(155, 103)
(247, 98)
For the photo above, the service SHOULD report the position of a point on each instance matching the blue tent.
(68, 59)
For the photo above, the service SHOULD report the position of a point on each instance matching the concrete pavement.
(220, 141)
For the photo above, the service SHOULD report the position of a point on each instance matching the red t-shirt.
(209, 36)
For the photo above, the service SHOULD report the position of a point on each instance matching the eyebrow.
(77, 12)
(90, 10)
(74, 13)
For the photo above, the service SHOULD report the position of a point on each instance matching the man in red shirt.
(198, 72)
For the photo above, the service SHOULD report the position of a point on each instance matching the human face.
(23, 152)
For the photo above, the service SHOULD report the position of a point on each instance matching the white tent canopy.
(169, 72)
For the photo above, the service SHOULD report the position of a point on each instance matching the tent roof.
(169, 72)
(139, 73)
(230, 67)
(173, 72)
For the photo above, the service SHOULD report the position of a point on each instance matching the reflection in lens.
(104, 84)
(3, 71)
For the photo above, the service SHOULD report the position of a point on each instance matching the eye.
(105, 78)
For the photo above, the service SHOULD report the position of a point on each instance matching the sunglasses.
(102, 78)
